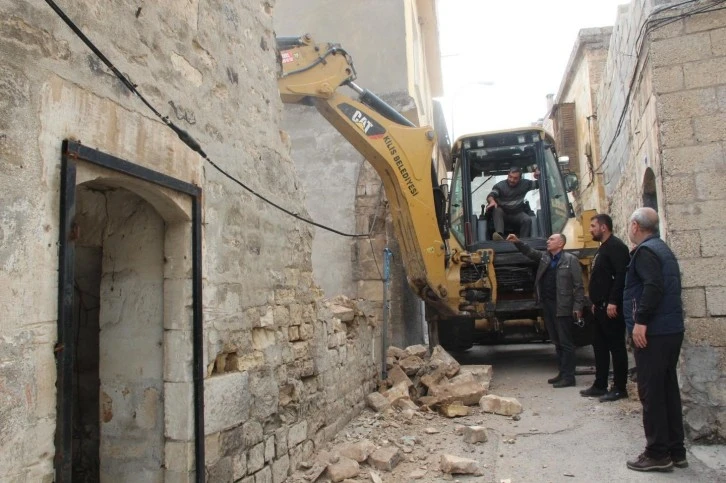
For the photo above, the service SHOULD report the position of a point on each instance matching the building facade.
(660, 110)
(160, 322)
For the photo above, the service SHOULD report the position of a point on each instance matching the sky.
(500, 58)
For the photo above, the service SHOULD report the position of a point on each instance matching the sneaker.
(555, 379)
(593, 391)
(564, 383)
(613, 395)
(679, 461)
(645, 463)
(496, 236)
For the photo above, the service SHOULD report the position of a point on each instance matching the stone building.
(160, 322)
(394, 46)
(661, 111)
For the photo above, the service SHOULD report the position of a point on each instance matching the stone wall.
(672, 146)
(275, 354)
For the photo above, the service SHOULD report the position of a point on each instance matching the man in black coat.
(606, 294)
(654, 317)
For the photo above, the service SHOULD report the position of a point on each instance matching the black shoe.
(564, 383)
(614, 395)
(679, 461)
(593, 391)
(555, 379)
(644, 463)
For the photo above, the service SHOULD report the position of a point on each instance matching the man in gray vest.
(561, 294)
(654, 317)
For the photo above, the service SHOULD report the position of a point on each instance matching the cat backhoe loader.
(473, 287)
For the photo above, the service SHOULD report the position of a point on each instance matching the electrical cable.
(647, 27)
(183, 135)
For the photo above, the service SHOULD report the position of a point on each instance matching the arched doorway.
(130, 384)
(650, 195)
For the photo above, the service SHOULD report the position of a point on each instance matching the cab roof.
(456, 148)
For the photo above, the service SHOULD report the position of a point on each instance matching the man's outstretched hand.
(512, 238)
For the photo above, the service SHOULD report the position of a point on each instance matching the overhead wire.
(183, 135)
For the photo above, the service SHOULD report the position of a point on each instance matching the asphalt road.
(564, 437)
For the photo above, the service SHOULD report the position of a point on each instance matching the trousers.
(610, 340)
(521, 220)
(560, 331)
(659, 393)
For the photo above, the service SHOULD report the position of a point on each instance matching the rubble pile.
(404, 436)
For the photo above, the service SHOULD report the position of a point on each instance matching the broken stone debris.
(358, 451)
(385, 459)
(475, 434)
(437, 381)
(342, 469)
(456, 465)
(506, 406)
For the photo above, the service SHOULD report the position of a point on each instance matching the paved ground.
(560, 436)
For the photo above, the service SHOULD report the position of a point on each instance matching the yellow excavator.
(475, 288)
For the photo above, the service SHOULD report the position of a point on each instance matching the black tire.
(456, 335)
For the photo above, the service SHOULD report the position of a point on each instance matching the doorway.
(130, 256)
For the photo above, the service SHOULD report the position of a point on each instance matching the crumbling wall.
(283, 372)
(673, 134)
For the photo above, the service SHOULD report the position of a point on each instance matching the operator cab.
(481, 161)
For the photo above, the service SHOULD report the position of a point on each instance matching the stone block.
(705, 73)
(710, 129)
(707, 331)
(221, 471)
(506, 406)
(442, 359)
(695, 215)
(687, 104)
(718, 41)
(377, 402)
(455, 465)
(468, 393)
(668, 79)
(434, 378)
(411, 365)
(694, 302)
(297, 434)
(705, 21)
(678, 133)
(396, 353)
(481, 374)
(385, 459)
(212, 449)
(239, 465)
(179, 456)
(269, 448)
(226, 401)
(710, 186)
(345, 314)
(179, 410)
(264, 475)
(342, 469)
(454, 410)
(417, 350)
(680, 189)
(712, 242)
(703, 272)
(399, 391)
(396, 375)
(256, 458)
(178, 313)
(475, 434)
(716, 301)
(370, 290)
(358, 451)
(685, 244)
(681, 49)
(280, 469)
(178, 356)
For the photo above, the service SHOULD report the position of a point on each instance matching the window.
(456, 208)
(559, 204)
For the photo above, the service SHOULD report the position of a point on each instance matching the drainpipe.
(387, 256)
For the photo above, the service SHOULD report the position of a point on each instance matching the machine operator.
(506, 200)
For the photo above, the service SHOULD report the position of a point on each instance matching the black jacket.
(609, 266)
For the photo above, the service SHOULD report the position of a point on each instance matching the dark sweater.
(608, 273)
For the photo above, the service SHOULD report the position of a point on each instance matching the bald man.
(654, 317)
(561, 294)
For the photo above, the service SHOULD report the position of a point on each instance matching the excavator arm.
(400, 153)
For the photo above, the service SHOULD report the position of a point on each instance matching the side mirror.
(571, 182)
(563, 161)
